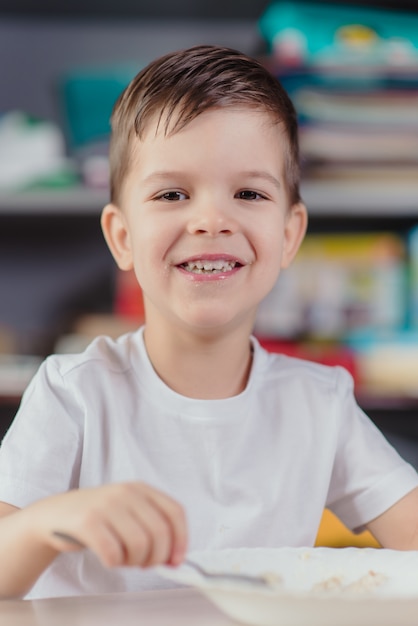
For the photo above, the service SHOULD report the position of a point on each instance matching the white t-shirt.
(253, 470)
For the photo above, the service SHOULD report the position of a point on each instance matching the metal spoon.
(258, 581)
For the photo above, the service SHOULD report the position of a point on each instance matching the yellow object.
(334, 534)
(356, 35)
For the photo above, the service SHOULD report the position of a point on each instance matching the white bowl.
(314, 586)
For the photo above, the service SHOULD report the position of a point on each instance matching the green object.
(88, 98)
(60, 179)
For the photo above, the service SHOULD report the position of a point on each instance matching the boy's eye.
(172, 196)
(248, 194)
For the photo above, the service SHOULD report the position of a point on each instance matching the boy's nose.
(209, 217)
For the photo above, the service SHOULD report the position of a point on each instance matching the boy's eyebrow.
(264, 176)
(164, 174)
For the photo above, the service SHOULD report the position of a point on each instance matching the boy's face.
(205, 220)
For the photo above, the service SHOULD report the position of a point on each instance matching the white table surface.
(175, 607)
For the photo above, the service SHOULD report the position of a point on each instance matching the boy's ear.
(115, 231)
(295, 230)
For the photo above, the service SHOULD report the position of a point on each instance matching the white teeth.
(211, 267)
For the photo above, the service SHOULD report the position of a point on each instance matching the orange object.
(334, 534)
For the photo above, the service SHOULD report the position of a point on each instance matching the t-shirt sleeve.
(40, 453)
(369, 476)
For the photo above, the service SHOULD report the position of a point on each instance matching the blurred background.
(351, 68)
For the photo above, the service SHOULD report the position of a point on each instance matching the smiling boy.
(205, 220)
(186, 434)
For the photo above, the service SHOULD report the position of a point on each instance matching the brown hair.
(181, 85)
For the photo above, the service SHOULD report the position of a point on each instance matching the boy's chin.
(211, 325)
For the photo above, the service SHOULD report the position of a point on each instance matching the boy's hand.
(123, 524)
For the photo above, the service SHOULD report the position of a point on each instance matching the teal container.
(413, 276)
(87, 99)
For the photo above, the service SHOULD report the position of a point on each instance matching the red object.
(129, 302)
(318, 353)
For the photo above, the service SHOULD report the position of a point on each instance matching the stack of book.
(352, 73)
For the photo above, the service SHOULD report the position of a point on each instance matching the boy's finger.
(162, 522)
(143, 533)
(103, 542)
(174, 513)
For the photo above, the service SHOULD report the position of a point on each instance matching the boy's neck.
(197, 366)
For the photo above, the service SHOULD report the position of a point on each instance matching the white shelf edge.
(77, 200)
(345, 199)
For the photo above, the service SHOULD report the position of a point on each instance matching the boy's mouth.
(206, 266)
